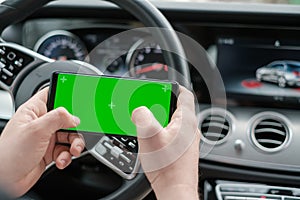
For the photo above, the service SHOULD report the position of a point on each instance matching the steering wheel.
(23, 72)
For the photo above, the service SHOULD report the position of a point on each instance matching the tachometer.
(147, 61)
(61, 45)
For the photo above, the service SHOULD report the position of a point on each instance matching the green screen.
(105, 104)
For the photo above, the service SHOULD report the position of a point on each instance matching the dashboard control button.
(239, 145)
(101, 149)
(18, 63)
(116, 151)
(11, 61)
(121, 163)
(125, 158)
(2, 65)
(11, 56)
(2, 52)
(131, 145)
(4, 78)
(108, 145)
(5, 71)
(11, 68)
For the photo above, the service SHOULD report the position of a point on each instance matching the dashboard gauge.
(61, 45)
(114, 66)
(147, 61)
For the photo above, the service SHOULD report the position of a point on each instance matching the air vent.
(270, 132)
(215, 126)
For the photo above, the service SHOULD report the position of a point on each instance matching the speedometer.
(147, 61)
(61, 45)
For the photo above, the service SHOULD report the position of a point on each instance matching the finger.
(63, 137)
(185, 112)
(146, 124)
(186, 99)
(42, 95)
(54, 120)
(35, 107)
(63, 160)
(77, 144)
(150, 133)
(61, 156)
(76, 140)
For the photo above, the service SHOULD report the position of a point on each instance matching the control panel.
(251, 191)
(12, 62)
(119, 153)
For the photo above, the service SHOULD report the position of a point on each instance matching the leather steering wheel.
(31, 70)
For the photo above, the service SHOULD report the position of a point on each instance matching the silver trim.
(244, 189)
(130, 55)
(220, 112)
(88, 65)
(96, 155)
(262, 130)
(59, 32)
(256, 119)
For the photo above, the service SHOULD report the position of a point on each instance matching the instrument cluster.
(110, 51)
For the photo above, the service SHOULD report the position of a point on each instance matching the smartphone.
(104, 105)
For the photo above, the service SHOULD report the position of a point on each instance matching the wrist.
(177, 192)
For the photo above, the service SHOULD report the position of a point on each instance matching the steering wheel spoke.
(15, 62)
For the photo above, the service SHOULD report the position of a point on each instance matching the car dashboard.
(250, 133)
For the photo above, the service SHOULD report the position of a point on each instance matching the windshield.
(245, 1)
(229, 1)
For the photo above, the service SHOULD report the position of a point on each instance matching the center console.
(228, 190)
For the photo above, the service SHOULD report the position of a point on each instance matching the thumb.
(146, 124)
(54, 120)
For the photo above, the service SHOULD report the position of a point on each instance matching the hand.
(30, 142)
(170, 156)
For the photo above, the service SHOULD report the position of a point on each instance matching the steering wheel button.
(125, 158)
(11, 55)
(116, 151)
(7, 72)
(2, 65)
(131, 145)
(11, 68)
(108, 145)
(3, 60)
(101, 149)
(18, 63)
(2, 52)
(121, 163)
(4, 77)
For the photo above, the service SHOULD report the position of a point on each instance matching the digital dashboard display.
(260, 71)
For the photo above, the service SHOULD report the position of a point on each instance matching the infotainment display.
(260, 71)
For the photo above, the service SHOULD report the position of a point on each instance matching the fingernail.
(79, 148)
(63, 162)
(141, 116)
(76, 120)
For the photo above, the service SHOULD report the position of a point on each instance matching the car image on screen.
(284, 73)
